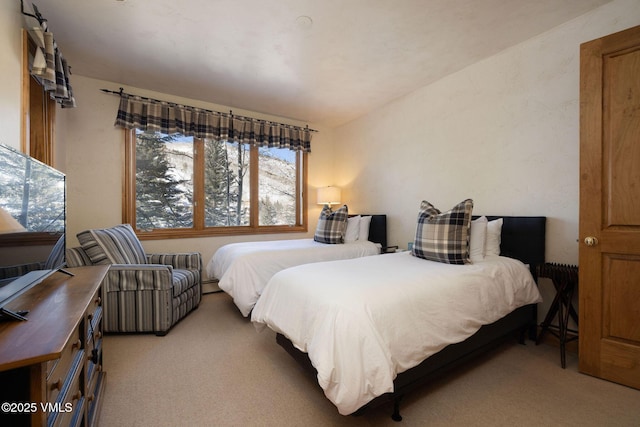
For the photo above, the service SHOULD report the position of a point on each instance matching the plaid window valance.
(151, 115)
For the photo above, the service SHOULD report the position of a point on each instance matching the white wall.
(504, 131)
(10, 72)
(94, 165)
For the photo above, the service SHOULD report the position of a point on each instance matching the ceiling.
(324, 62)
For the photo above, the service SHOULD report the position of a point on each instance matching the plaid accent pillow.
(332, 225)
(116, 245)
(443, 237)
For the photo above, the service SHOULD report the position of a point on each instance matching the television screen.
(32, 222)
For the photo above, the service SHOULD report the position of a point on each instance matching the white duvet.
(243, 269)
(363, 321)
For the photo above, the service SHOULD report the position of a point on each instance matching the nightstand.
(565, 281)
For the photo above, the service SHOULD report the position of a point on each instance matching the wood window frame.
(199, 229)
(38, 110)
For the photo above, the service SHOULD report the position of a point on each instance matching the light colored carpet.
(214, 369)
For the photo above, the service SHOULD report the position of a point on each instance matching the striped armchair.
(141, 292)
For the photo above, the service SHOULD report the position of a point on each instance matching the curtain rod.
(121, 92)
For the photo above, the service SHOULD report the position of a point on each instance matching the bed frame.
(523, 238)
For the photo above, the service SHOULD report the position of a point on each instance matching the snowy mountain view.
(164, 190)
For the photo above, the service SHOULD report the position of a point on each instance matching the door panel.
(622, 312)
(621, 146)
(609, 282)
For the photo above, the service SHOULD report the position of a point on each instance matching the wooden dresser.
(51, 365)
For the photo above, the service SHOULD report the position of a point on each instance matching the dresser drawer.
(68, 409)
(94, 347)
(58, 370)
(94, 324)
(94, 311)
(94, 327)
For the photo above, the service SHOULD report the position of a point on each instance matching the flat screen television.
(32, 225)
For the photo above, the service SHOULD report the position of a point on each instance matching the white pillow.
(492, 244)
(353, 229)
(365, 222)
(477, 238)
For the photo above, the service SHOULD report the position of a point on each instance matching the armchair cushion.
(115, 245)
(186, 260)
(139, 277)
(184, 280)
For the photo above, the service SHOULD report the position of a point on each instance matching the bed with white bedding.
(243, 269)
(374, 321)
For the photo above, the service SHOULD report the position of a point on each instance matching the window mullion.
(254, 192)
(198, 184)
(301, 180)
(129, 183)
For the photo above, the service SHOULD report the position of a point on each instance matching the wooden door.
(609, 282)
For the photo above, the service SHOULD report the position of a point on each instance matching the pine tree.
(162, 200)
(217, 184)
(269, 211)
(225, 168)
(242, 167)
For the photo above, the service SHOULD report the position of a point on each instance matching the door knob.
(590, 241)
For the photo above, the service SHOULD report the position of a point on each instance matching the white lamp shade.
(9, 224)
(328, 196)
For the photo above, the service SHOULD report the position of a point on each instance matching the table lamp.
(328, 196)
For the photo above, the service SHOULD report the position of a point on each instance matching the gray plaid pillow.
(332, 225)
(443, 237)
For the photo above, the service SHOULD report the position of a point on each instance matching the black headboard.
(377, 228)
(523, 238)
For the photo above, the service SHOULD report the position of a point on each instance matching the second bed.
(243, 269)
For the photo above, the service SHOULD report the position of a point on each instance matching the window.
(178, 186)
